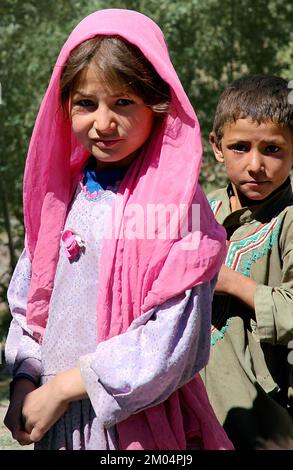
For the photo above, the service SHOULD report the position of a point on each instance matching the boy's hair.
(261, 98)
(120, 66)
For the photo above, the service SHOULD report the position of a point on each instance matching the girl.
(108, 330)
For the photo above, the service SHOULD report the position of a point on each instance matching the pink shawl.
(137, 274)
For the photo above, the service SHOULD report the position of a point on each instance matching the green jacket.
(248, 377)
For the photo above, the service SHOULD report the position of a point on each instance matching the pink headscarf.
(137, 274)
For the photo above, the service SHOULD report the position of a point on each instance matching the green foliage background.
(211, 42)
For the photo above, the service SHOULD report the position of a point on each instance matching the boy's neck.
(235, 202)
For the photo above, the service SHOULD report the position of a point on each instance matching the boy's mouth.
(255, 183)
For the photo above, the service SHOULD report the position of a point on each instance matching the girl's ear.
(216, 148)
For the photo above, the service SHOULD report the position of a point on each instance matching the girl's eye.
(239, 148)
(124, 102)
(272, 149)
(85, 103)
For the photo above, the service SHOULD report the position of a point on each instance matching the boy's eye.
(272, 149)
(240, 148)
(124, 102)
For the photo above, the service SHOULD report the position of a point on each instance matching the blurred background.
(211, 43)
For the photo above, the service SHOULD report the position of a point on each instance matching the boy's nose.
(255, 162)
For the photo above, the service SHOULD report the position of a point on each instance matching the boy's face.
(258, 157)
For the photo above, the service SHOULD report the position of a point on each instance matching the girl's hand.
(231, 282)
(43, 407)
(13, 419)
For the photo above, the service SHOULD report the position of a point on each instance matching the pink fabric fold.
(136, 274)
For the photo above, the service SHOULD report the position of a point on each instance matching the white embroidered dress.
(160, 351)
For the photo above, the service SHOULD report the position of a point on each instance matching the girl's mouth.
(106, 143)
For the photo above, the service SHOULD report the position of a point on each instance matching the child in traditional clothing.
(111, 320)
(248, 373)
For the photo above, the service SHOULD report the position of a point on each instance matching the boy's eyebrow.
(276, 139)
(273, 140)
(236, 139)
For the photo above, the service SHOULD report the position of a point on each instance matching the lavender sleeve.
(161, 351)
(22, 351)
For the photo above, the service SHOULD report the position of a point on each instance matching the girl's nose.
(104, 121)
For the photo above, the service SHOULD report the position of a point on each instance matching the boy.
(248, 374)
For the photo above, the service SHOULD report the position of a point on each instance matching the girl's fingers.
(26, 425)
(36, 435)
(22, 437)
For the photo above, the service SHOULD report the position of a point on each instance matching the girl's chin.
(103, 164)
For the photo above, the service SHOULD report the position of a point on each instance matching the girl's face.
(112, 125)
